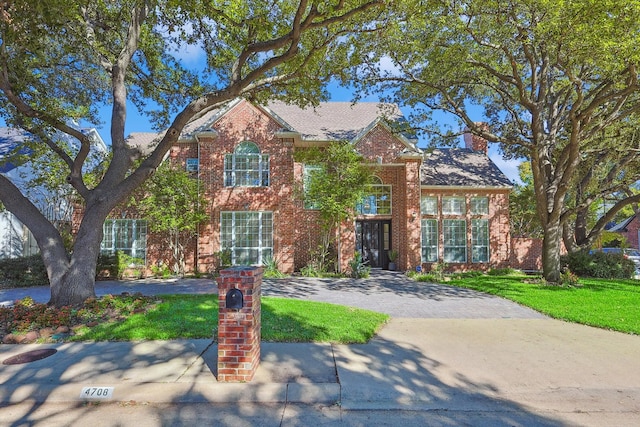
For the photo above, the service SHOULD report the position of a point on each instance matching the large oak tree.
(550, 76)
(61, 60)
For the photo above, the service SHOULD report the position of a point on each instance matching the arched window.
(378, 201)
(246, 167)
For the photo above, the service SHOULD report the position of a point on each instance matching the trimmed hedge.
(599, 265)
(23, 272)
(29, 271)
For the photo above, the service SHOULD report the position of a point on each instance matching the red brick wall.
(632, 232)
(381, 147)
(526, 254)
(244, 122)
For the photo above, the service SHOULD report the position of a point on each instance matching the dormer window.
(246, 167)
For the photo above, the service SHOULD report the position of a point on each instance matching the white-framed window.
(193, 164)
(309, 170)
(429, 205)
(479, 205)
(248, 235)
(429, 240)
(377, 201)
(453, 205)
(246, 167)
(455, 240)
(125, 235)
(479, 240)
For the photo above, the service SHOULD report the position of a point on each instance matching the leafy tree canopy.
(549, 76)
(61, 61)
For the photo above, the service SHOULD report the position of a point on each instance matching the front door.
(372, 241)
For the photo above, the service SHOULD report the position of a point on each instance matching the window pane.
(192, 164)
(378, 202)
(479, 205)
(429, 205)
(479, 240)
(455, 240)
(246, 167)
(453, 205)
(247, 147)
(248, 235)
(128, 236)
(309, 170)
(429, 240)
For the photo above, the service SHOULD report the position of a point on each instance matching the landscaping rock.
(31, 336)
(46, 332)
(10, 339)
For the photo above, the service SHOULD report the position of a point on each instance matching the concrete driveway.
(400, 297)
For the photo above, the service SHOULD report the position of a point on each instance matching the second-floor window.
(309, 170)
(378, 201)
(246, 167)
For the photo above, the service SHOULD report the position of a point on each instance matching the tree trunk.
(73, 282)
(551, 252)
(76, 285)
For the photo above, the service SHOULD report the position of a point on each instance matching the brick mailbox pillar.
(239, 327)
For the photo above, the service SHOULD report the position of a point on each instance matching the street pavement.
(448, 356)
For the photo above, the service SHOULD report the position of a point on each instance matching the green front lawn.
(169, 317)
(609, 304)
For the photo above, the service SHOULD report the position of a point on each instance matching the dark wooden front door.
(372, 241)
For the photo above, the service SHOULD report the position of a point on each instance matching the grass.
(283, 320)
(608, 304)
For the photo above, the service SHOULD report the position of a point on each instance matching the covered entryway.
(373, 239)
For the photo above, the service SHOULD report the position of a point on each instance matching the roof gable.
(333, 121)
(461, 167)
(622, 226)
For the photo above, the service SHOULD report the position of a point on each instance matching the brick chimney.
(475, 142)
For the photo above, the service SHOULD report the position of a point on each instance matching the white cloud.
(387, 65)
(190, 55)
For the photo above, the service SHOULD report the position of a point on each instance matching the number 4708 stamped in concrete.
(96, 393)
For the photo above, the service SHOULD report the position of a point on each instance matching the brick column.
(239, 329)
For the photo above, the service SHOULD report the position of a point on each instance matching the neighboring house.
(15, 239)
(446, 205)
(630, 229)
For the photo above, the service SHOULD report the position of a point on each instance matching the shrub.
(116, 266)
(567, 278)
(23, 272)
(108, 266)
(599, 265)
(223, 259)
(358, 268)
(271, 269)
(161, 271)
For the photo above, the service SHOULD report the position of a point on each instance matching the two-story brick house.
(446, 204)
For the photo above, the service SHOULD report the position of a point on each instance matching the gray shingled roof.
(461, 167)
(623, 225)
(331, 121)
(144, 142)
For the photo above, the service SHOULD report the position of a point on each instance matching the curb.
(176, 393)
